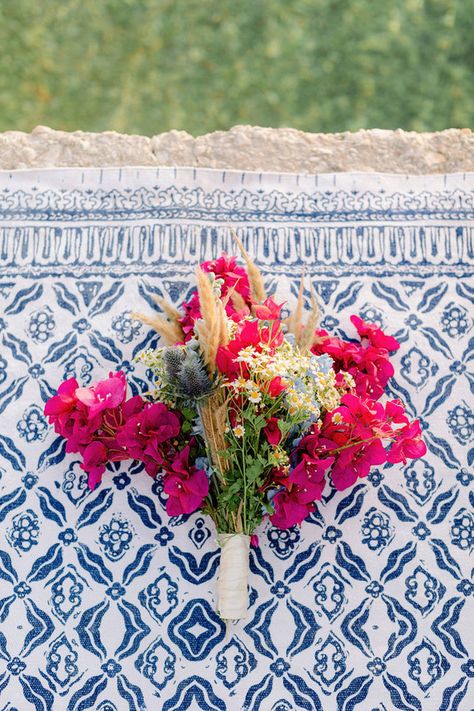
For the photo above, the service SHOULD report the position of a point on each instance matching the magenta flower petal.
(288, 511)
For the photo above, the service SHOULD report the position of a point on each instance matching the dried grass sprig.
(170, 331)
(211, 328)
(222, 321)
(238, 301)
(293, 322)
(308, 336)
(172, 312)
(207, 327)
(257, 287)
(207, 297)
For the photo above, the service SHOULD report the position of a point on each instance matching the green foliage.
(146, 66)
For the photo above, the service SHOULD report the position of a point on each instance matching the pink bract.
(269, 310)
(408, 445)
(272, 431)
(144, 434)
(185, 493)
(375, 334)
(288, 510)
(94, 461)
(64, 401)
(105, 394)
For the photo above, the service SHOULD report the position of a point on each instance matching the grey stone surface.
(247, 148)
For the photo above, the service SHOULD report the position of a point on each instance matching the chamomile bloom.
(246, 355)
(337, 418)
(239, 383)
(238, 431)
(254, 395)
(279, 457)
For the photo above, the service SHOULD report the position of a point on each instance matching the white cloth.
(107, 604)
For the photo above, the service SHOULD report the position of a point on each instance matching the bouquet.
(249, 416)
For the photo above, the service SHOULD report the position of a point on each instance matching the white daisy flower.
(239, 431)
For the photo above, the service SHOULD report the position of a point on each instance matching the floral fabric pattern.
(106, 602)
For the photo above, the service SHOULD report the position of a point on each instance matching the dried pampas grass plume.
(257, 287)
(169, 328)
(222, 321)
(207, 298)
(211, 328)
(294, 320)
(169, 331)
(172, 313)
(238, 301)
(304, 334)
(308, 334)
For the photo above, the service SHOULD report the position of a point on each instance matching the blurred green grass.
(146, 66)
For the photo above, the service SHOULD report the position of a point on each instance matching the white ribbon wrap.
(232, 583)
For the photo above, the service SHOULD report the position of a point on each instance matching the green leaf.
(268, 506)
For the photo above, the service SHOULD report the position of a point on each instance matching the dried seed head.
(308, 334)
(294, 319)
(238, 301)
(170, 332)
(257, 287)
(173, 359)
(172, 313)
(192, 377)
(207, 298)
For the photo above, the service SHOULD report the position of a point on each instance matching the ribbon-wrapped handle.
(232, 582)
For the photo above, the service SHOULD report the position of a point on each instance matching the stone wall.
(247, 148)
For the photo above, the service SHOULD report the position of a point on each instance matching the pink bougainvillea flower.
(289, 511)
(185, 485)
(185, 493)
(249, 333)
(106, 394)
(272, 431)
(64, 401)
(159, 422)
(180, 463)
(395, 412)
(145, 433)
(276, 386)
(228, 365)
(95, 457)
(254, 542)
(269, 310)
(309, 476)
(375, 334)
(408, 444)
(367, 362)
(355, 462)
(80, 428)
(233, 276)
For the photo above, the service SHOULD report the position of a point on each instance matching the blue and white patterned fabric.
(107, 604)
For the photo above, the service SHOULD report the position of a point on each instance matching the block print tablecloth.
(107, 604)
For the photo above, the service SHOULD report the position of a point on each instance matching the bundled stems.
(212, 411)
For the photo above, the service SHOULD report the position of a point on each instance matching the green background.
(145, 66)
